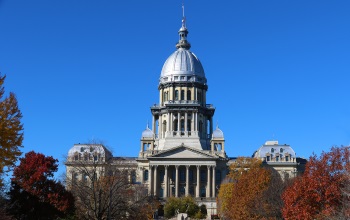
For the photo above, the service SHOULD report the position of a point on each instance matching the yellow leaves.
(11, 135)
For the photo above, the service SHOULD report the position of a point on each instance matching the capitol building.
(182, 153)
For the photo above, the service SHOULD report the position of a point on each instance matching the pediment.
(184, 152)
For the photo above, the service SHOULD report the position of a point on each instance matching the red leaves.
(318, 193)
(34, 176)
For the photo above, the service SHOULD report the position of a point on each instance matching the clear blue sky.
(82, 70)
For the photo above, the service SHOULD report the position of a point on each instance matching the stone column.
(153, 124)
(178, 123)
(198, 181)
(150, 182)
(177, 181)
(213, 185)
(186, 123)
(171, 123)
(196, 121)
(166, 181)
(155, 184)
(187, 180)
(208, 183)
(160, 125)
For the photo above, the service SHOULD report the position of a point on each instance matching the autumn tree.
(104, 187)
(250, 191)
(11, 134)
(34, 194)
(322, 191)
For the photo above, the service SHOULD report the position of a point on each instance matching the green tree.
(11, 134)
(183, 205)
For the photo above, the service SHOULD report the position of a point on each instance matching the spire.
(183, 43)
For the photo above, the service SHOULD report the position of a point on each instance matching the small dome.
(218, 133)
(147, 133)
(90, 149)
(275, 149)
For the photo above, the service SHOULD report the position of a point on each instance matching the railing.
(182, 102)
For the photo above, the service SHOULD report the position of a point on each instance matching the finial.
(183, 43)
(147, 126)
(183, 16)
(217, 124)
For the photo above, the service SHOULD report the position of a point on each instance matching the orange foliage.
(318, 194)
(243, 194)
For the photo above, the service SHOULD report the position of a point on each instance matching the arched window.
(176, 94)
(188, 94)
(182, 94)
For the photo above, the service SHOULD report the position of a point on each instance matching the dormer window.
(272, 150)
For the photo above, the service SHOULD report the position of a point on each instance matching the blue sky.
(83, 70)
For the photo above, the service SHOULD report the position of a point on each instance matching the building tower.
(181, 154)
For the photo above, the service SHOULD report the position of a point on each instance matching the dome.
(90, 149)
(274, 148)
(217, 133)
(183, 65)
(147, 133)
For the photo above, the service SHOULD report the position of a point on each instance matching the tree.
(251, 191)
(11, 134)
(184, 205)
(321, 192)
(34, 194)
(104, 188)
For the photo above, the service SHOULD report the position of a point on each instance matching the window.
(277, 158)
(219, 147)
(161, 192)
(145, 177)
(287, 158)
(85, 177)
(218, 177)
(203, 176)
(86, 157)
(95, 158)
(161, 175)
(182, 94)
(281, 150)
(189, 125)
(175, 125)
(176, 94)
(268, 158)
(188, 94)
(182, 125)
(272, 150)
(76, 157)
(202, 191)
(182, 175)
(191, 175)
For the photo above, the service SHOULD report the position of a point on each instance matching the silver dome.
(217, 133)
(147, 133)
(182, 65)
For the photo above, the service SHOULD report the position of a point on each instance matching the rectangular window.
(287, 158)
(277, 158)
(268, 158)
(203, 176)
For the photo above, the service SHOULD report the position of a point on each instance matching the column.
(186, 123)
(178, 124)
(187, 180)
(155, 184)
(171, 124)
(208, 183)
(160, 127)
(153, 124)
(198, 181)
(150, 182)
(196, 121)
(213, 185)
(166, 181)
(177, 181)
